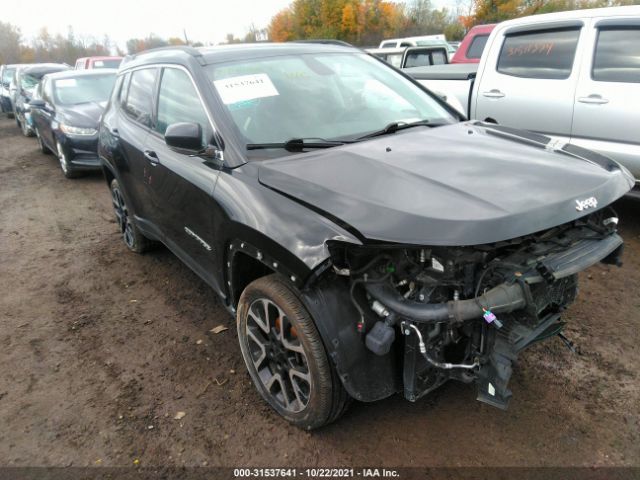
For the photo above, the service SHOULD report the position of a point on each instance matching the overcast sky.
(205, 20)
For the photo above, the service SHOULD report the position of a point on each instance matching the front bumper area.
(529, 311)
(81, 153)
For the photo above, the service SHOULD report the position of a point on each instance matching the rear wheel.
(285, 355)
(133, 238)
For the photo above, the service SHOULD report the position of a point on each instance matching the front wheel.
(133, 238)
(26, 130)
(43, 148)
(65, 165)
(285, 355)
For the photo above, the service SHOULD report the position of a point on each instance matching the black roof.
(225, 53)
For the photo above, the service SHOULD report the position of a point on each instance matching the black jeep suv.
(367, 240)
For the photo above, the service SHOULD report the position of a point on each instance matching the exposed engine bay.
(465, 313)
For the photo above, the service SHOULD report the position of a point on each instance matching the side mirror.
(38, 103)
(184, 137)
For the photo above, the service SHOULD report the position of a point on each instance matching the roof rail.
(189, 50)
(325, 41)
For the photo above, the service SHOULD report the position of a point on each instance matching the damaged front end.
(465, 313)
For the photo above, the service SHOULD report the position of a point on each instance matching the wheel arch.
(252, 256)
(365, 376)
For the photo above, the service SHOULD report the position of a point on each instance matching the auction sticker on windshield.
(246, 87)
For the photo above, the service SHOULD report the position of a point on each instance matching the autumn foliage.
(366, 22)
(362, 22)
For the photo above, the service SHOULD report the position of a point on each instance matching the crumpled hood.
(463, 184)
(82, 115)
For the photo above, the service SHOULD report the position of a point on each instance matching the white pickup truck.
(574, 76)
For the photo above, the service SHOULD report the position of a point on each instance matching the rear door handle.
(494, 93)
(115, 132)
(152, 157)
(593, 99)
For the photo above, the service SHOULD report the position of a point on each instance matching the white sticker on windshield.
(246, 87)
(66, 82)
(98, 63)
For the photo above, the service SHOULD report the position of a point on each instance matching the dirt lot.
(99, 348)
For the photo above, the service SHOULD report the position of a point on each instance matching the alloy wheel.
(64, 164)
(25, 128)
(43, 149)
(278, 355)
(122, 217)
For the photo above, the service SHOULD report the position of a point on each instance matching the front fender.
(287, 232)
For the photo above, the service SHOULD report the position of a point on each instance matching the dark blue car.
(66, 110)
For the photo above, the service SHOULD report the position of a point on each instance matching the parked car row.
(61, 107)
(368, 239)
(574, 76)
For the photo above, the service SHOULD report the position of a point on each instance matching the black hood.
(82, 115)
(463, 184)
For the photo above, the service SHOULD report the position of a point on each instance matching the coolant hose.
(500, 299)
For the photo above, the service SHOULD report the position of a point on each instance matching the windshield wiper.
(298, 144)
(395, 126)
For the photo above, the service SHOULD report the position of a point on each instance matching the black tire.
(67, 170)
(43, 148)
(270, 357)
(26, 131)
(132, 237)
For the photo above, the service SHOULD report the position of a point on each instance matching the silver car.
(7, 73)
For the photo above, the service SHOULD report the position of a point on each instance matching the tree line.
(46, 47)
(494, 11)
(361, 22)
(367, 22)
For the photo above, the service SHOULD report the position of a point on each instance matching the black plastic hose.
(500, 299)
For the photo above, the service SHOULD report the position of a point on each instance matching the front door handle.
(593, 99)
(494, 93)
(152, 157)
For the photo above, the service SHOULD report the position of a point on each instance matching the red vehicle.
(87, 63)
(472, 46)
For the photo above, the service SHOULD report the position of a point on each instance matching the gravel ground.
(100, 348)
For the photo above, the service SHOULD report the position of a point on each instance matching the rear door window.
(617, 55)
(542, 54)
(477, 46)
(139, 99)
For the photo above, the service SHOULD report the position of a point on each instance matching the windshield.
(83, 89)
(28, 82)
(332, 96)
(7, 75)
